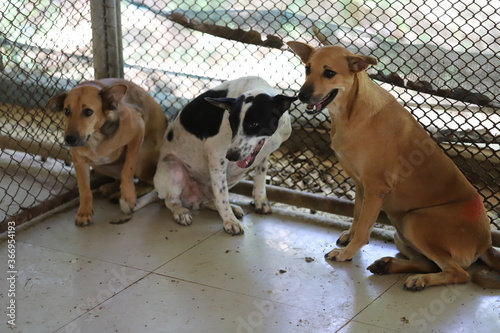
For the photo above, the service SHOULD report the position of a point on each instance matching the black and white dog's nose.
(233, 156)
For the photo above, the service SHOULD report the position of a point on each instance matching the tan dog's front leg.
(347, 235)
(82, 170)
(128, 194)
(372, 203)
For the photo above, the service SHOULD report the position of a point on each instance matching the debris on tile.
(309, 259)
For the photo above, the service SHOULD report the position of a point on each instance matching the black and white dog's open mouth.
(315, 108)
(248, 161)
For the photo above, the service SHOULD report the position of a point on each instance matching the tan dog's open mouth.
(248, 161)
(317, 107)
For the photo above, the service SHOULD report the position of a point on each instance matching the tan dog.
(441, 223)
(115, 127)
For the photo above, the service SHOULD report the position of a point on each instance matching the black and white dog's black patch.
(213, 142)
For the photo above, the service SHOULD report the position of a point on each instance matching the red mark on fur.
(474, 208)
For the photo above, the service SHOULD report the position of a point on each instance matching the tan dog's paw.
(415, 282)
(381, 266)
(237, 211)
(127, 206)
(345, 238)
(233, 227)
(183, 216)
(338, 255)
(262, 207)
(83, 217)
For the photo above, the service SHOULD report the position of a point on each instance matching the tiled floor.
(151, 275)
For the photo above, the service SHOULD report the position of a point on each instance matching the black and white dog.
(207, 150)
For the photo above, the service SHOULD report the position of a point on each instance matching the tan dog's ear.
(358, 63)
(111, 97)
(114, 94)
(58, 100)
(302, 50)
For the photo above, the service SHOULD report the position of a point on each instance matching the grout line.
(116, 294)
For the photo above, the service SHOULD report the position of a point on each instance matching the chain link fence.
(440, 59)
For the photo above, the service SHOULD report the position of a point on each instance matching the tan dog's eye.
(328, 73)
(308, 70)
(87, 112)
(67, 112)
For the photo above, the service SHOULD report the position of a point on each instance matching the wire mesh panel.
(438, 58)
(45, 48)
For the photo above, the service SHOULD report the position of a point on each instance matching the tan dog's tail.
(489, 279)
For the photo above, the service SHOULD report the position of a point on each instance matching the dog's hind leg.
(416, 263)
(170, 181)
(259, 195)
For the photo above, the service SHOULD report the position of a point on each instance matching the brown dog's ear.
(358, 63)
(113, 95)
(58, 100)
(302, 50)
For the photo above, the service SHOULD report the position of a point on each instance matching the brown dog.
(441, 223)
(115, 127)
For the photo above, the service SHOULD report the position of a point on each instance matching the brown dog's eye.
(328, 73)
(308, 70)
(67, 112)
(87, 112)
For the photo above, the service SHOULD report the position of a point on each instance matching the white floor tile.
(152, 275)
(146, 242)
(269, 262)
(162, 304)
(455, 308)
(356, 327)
(53, 288)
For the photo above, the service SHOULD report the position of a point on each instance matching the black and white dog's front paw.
(262, 207)
(183, 216)
(237, 211)
(233, 227)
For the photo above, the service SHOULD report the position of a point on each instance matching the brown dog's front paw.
(415, 282)
(127, 206)
(381, 266)
(338, 255)
(83, 219)
(344, 239)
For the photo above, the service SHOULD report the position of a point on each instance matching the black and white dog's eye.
(253, 125)
(328, 73)
(67, 112)
(88, 112)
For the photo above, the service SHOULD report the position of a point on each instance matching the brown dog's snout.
(305, 93)
(71, 140)
(304, 96)
(75, 140)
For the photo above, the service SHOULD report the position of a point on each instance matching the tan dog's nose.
(304, 96)
(71, 140)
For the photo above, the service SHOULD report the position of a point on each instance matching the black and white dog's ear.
(283, 102)
(223, 102)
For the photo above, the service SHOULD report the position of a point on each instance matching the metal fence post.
(107, 38)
